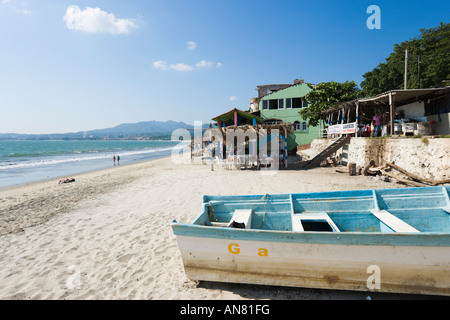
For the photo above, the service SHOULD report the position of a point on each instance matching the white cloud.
(191, 45)
(162, 65)
(204, 64)
(208, 64)
(233, 98)
(18, 6)
(94, 20)
(181, 67)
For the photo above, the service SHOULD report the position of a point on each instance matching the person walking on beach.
(118, 159)
(114, 160)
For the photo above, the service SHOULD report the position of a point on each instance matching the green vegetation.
(433, 46)
(325, 95)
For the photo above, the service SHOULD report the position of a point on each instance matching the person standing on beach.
(114, 160)
(376, 122)
(118, 159)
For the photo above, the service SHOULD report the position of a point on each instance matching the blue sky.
(69, 66)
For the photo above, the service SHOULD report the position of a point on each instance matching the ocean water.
(33, 160)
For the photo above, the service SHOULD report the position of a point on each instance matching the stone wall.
(425, 157)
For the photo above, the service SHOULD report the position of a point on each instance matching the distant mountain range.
(140, 130)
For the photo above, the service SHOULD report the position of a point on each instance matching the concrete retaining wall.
(426, 157)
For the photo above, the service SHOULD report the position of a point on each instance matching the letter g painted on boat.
(233, 248)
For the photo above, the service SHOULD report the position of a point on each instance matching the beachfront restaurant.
(412, 111)
(242, 140)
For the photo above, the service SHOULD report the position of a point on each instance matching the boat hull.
(378, 267)
(391, 240)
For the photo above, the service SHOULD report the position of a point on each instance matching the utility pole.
(418, 71)
(406, 69)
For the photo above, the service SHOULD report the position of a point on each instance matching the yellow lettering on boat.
(234, 248)
(263, 252)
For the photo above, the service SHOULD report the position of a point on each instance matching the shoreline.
(57, 171)
(108, 235)
(31, 183)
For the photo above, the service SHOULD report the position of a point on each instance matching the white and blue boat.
(387, 240)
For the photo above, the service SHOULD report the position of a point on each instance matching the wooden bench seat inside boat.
(320, 221)
(241, 216)
(392, 221)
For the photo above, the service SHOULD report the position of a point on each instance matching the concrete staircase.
(339, 143)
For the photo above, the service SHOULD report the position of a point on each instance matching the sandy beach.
(107, 235)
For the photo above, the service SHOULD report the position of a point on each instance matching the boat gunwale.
(368, 193)
(426, 238)
(422, 239)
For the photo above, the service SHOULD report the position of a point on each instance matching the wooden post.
(352, 169)
(418, 71)
(235, 118)
(406, 69)
(285, 148)
(320, 128)
(357, 107)
(211, 149)
(391, 112)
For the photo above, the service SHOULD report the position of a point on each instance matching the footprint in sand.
(125, 258)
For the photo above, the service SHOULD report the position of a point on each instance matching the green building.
(282, 106)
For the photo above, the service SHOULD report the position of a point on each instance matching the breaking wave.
(27, 162)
